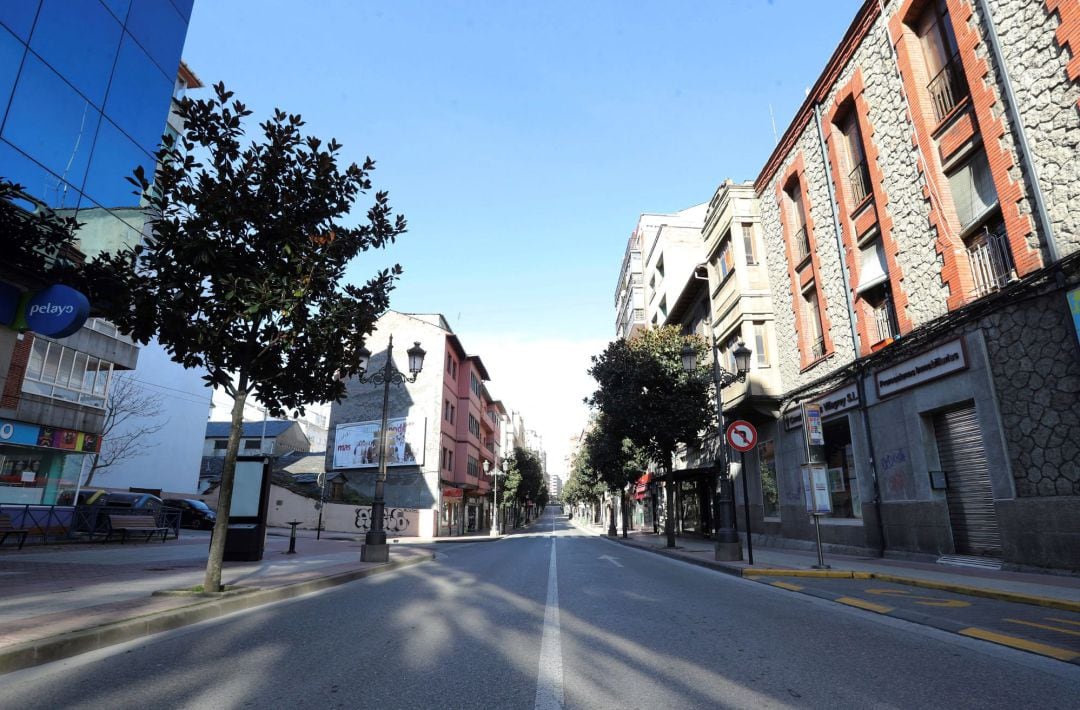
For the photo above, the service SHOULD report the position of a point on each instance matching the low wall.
(286, 506)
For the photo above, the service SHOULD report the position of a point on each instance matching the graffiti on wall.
(395, 520)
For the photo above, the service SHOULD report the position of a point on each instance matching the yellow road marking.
(1044, 626)
(787, 585)
(1063, 621)
(862, 604)
(925, 601)
(1043, 649)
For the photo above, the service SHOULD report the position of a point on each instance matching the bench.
(6, 528)
(125, 524)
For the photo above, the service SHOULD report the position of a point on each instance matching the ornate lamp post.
(495, 503)
(375, 548)
(727, 546)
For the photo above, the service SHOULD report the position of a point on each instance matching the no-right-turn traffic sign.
(741, 435)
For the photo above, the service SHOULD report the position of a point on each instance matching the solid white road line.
(549, 678)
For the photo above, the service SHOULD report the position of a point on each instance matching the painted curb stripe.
(787, 585)
(1044, 626)
(862, 604)
(1062, 654)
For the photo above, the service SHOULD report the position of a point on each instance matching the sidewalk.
(1061, 592)
(62, 600)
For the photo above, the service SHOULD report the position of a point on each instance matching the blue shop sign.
(57, 311)
(18, 433)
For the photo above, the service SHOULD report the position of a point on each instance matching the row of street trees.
(646, 405)
(524, 483)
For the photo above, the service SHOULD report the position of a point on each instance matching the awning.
(642, 486)
(873, 271)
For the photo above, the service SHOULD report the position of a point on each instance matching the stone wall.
(1047, 101)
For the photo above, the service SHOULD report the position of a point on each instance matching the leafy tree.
(644, 393)
(37, 242)
(584, 485)
(524, 482)
(618, 462)
(242, 272)
(132, 413)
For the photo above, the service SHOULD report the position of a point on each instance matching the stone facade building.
(919, 213)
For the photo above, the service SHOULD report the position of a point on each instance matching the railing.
(947, 88)
(817, 350)
(885, 319)
(802, 244)
(991, 262)
(58, 522)
(859, 183)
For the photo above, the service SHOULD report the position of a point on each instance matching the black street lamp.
(375, 548)
(727, 546)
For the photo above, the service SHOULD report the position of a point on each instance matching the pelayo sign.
(57, 311)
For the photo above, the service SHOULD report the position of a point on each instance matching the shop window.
(770, 493)
(840, 461)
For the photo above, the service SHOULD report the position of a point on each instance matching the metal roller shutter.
(970, 499)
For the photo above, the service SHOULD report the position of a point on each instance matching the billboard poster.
(356, 445)
(815, 480)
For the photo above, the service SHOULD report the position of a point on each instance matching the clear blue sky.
(522, 139)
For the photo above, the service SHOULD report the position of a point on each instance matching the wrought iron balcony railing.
(991, 262)
(802, 244)
(947, 88)
(859, 183)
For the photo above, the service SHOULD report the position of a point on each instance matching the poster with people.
(356, 445)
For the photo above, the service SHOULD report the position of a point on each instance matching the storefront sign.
(48, 437)
(56, 311)
(356, 445)
(1073, 298)
(815, 433)
(815, 479)
(831, 404)
(942, 360)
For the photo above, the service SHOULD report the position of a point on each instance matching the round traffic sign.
(741, 435)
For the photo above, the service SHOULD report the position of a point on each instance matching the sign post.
(742, 436)
(815, 476)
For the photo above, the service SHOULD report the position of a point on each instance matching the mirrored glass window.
(139, 97)
(184, 6)
(51, 122)
(115, 158)
(36, 180)
(79, 41)
(101, 230)
(160, 29)
(119, 8)
(11, 54)
(18, 16)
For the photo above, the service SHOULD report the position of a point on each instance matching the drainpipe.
(860, 380)
(1021, 135)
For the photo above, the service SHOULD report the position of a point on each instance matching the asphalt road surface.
(547, 619)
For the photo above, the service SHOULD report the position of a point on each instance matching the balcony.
(885, 319)
(991, 261)
(817, 349)
(947, 88)
(858, 181)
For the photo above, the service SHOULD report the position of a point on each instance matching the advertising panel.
(356, 445)
(815, 434)
(815, 478)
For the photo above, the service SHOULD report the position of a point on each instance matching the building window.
(663, 305)
(990, 257)
(250, 444)
(884, 310)
(474, 426)
(800, 239)
(725, 260)
(770, 493)
(840, 461)
(474, 384)
(853, 157)
(972, 187)
(727, 351)
(62, 373)
(449, 364)
(813, 335)
(946, 84)
(473, 467)
(748, 244)
(221, 444)
(761, 344)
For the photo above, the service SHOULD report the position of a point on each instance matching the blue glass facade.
(85, 92)
(86, 88)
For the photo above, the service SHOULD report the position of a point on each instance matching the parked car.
(84, 497)
(145, 503)
(194, 513)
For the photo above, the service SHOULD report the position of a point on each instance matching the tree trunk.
(612, 531)
(625, 499)
(212, 580)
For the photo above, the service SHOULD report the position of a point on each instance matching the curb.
(54, 648)
(751, 574)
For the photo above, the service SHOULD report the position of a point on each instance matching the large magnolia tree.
(242, 272)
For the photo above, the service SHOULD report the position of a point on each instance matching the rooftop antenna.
(776, 138)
